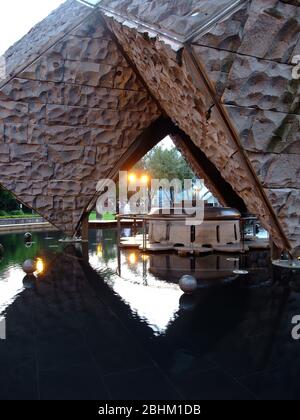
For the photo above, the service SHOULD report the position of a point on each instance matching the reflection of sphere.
(187, 302)
(1, 250)
(295, 285)
(29, 266)
(28, 244)
(27, 237)
(188, 284)
(29, 281)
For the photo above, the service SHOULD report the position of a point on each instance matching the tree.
(7, 201)
(162, 163)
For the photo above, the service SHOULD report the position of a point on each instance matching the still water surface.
(116, 325)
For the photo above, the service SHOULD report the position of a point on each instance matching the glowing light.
(132, 258)
(40, 266)
(145, 179)
(145, 257)
(99, 250)
(132, 177)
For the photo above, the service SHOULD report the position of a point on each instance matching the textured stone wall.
(248, 56)
(67, 119)
(177, 85)
(74, 104)
(176, 17)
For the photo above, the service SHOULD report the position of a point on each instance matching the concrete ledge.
(21, 221)
(26, 226)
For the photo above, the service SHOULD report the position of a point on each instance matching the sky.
(17, 17)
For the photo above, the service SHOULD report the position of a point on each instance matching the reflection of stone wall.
(67, 119)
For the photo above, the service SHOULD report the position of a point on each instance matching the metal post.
(243, 233)
(144, 235)
(275, 251)
(85, 228)
(134, 225)
(118, 230)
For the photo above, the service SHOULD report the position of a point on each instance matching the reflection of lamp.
(99, 251)
(40, 266)
(132, 258)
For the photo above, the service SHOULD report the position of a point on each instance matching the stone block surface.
(64, 120)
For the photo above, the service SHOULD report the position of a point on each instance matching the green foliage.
(8, 202)
(19, 216)
(165, 163)
(9, 205)
(93, 216)
(17, 213)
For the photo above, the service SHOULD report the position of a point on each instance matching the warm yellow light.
(132, 258)
(145, 179)
(99, 250)
(40, 266)
(145, 257)
(132, 177)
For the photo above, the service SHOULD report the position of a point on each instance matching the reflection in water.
(11, 285)
(68, 318)
(152, 300)
(16, 251)
(40, 266)
(149, 283)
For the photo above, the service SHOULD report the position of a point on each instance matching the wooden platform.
(105, 224)
(136, 242)
(258, 244)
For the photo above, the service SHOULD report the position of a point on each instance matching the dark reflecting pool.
(119, 327)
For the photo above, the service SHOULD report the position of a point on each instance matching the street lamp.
(144, 181)
(132, 177)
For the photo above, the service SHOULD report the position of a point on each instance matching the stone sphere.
(27, 237)
(188, 284)
(29, 266)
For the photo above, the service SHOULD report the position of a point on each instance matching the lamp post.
(144, 181)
